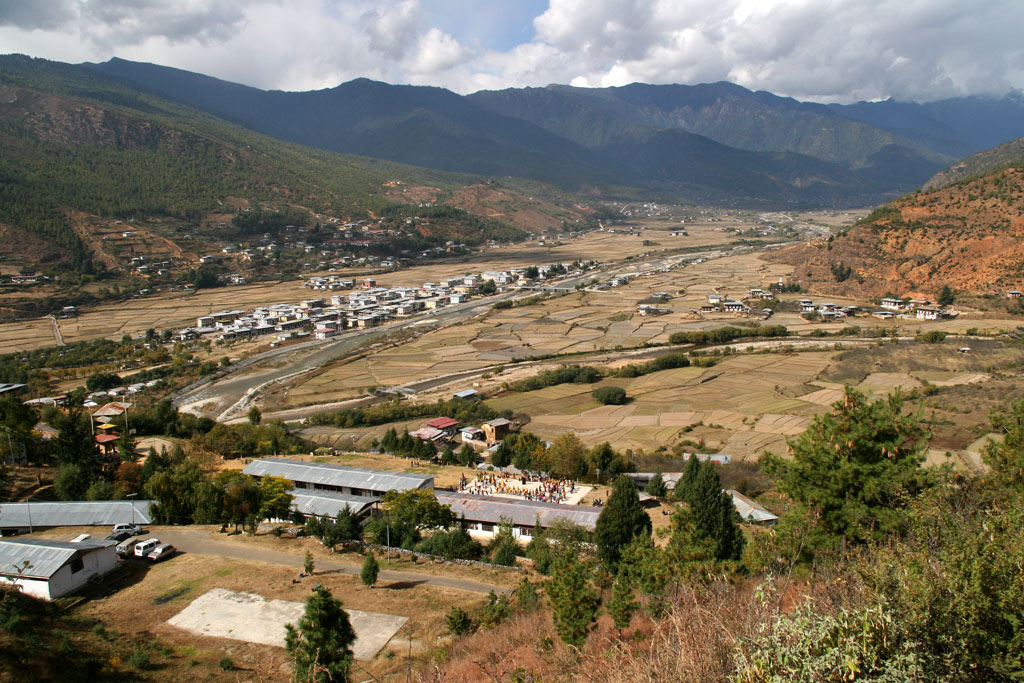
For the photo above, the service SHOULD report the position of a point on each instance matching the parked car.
(144, 548)
(118, 536)
(132, 529)
(161, 552)
(125, 548)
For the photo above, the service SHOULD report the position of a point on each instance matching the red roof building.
(443, 423)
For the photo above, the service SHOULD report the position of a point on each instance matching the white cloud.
(810, 49)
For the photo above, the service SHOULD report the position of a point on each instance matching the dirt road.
(199, 542)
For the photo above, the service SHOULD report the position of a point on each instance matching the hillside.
(1004, 155)
(594, 150)
(82, 149)
(968, 236)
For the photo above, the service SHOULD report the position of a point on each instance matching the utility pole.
(132, 504)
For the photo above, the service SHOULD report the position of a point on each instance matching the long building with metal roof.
(483, 514)
(45, 515)
(312, 503)
(354, 481)
(50, 569)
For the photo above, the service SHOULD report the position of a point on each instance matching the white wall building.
(51, 569)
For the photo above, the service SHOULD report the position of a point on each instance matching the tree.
(308, 565)
(855, 468)
(241, 496)
(946, 296)
(101, 489)
(656, 486)
(418, 508)
(621, 520)
(72, 481)
(714, 515)
(321, 642)
(504, 546)
(74, 443)
(487, 287)
(1006, 457)
(567, 457)
(458, 621)
(609, 396)
(369, 571)
(126, 447)
(275, 499)
(688, 553)
(255, 415)
(574, 602)
(688, 478)
(621, 604)
(467, 456)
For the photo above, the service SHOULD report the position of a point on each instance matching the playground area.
(525, 486)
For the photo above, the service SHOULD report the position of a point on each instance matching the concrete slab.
(252, 618)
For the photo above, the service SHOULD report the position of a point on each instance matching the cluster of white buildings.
(367, 305)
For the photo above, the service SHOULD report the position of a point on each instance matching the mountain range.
(711, 142)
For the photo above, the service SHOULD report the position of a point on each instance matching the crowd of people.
(526, 485)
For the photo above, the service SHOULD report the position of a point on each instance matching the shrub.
(139, 659)
(226, 664)
(458, 621)
(609, 396)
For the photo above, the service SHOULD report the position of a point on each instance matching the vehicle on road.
(161, 552)
(127, 547)
(143, 548)
(132, 529)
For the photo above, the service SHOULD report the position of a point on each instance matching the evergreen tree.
(72, 481)
(504, 546)
(321, 642)
(946, 296)
(621, 520)
(621, 604)
(126, 447)
(714, 515)
(574, 602)
(448, 455)
(656, 486)
(1006, 457)
(255, 415)
(688, 478)
(688, 554)
(369, 571)
(855, 468)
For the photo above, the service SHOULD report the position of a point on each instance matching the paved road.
(199, 542)
(278, 363)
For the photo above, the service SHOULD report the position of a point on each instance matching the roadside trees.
(321, 642)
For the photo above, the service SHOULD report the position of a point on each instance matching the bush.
(567, 374)
(226, 664)
(458, 621)
(138, 659)
(609, 396)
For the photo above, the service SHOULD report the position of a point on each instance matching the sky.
(819, 50)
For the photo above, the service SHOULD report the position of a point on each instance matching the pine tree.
(656, 486)
(687, 480)
(321, 642)
(621, 520)
(369, 571)
(504, 546)
(621, 604)
(714, 515)
(574, 601)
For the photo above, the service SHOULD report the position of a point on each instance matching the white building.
(483, 514)
(51, 569)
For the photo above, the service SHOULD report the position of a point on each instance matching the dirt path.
(198, 542)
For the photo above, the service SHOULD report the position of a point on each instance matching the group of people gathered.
(547, 490)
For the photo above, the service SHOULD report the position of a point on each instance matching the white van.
(145, 547)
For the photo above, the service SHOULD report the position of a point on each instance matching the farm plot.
(738, 401)
(27, 335)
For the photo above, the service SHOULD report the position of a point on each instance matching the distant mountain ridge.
(716, 142)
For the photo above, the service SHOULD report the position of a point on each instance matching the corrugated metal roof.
(75, 513)
(329, 503)
(749, 510)
(493, 510)
(44, 557)
(337, 475)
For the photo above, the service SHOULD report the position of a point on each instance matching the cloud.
(825, 50)
(392, 30)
